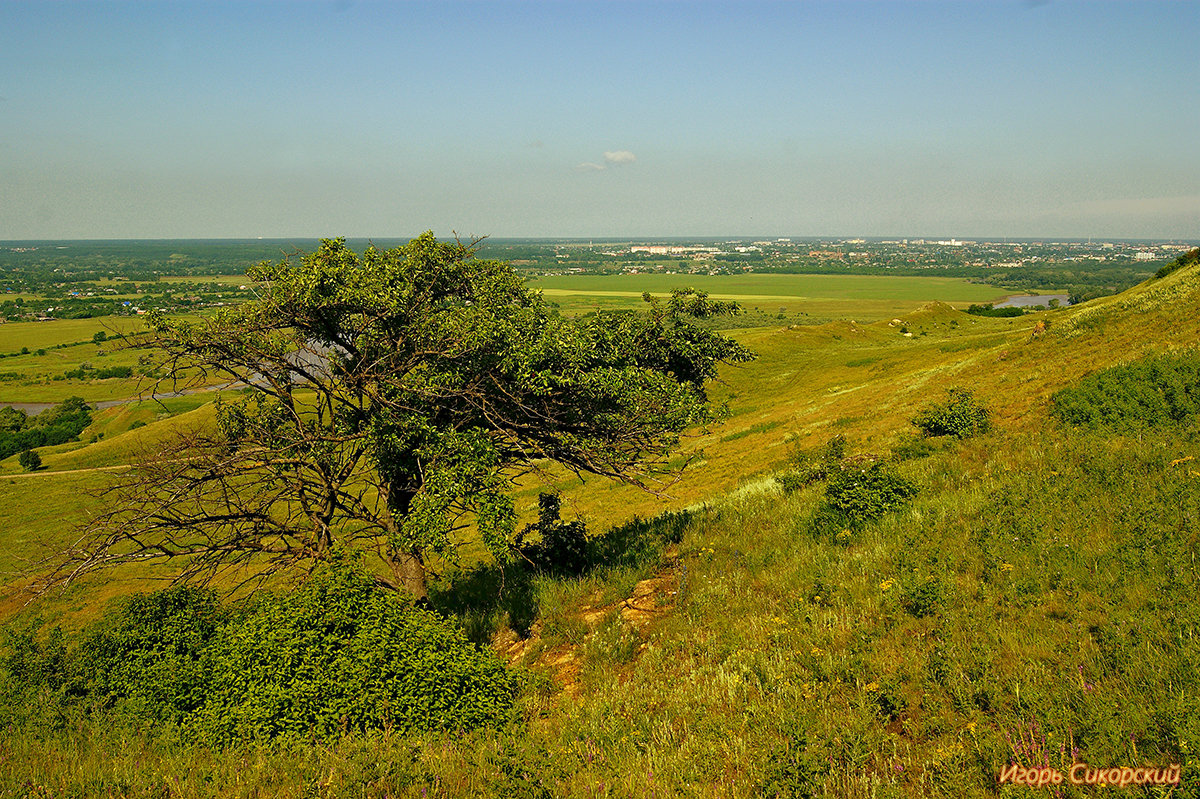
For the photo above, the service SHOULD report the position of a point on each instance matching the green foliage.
(1156, 392)
(860, 494)
(64, 422)
(914, 448)
(1189, 258)
(11, 420)
(563, 546)
(86, 372)
(342, 655)
(150, 652)
(924, 597)
(809, 466)
(31, 663)
(792, 771)
(435, 376)
(987, 309)
(30, 460)
(960, 416)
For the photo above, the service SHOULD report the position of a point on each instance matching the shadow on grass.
(485, 598)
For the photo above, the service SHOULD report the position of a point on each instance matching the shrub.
(809, 467)
(960, 416)
(30, 461)
(1156, 392)
(563, 546)
(862, 494)
(149, 652)
(30, 663)
(987, 309)
(924, 598)
(341, 654)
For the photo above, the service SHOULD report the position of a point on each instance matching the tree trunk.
(410, 573)
(406, 564)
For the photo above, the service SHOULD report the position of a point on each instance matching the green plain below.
(856, 296)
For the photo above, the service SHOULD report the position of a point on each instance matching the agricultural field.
(801, 299)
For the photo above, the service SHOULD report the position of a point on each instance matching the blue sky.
(640, 119)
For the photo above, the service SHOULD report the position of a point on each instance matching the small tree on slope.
(393, 398)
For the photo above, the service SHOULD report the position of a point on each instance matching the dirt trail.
(647, 601)
(64, 471)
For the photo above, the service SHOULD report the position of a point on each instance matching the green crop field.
(38, 335)
(823, 296)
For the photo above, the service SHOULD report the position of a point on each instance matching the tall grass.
(1036, 603)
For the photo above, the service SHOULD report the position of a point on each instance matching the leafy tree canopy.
(393, 397)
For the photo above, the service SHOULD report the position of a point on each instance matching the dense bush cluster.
(58, 425)
(1155, 392)
(987, 309)
(960, 416)
(861, 494)
(809, 467)
(337, 655)
(86, 372)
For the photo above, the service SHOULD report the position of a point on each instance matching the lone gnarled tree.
(393, 397)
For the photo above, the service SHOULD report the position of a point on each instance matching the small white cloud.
(588, 166)
(619, 157)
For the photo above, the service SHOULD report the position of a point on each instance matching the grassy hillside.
(1034, 603)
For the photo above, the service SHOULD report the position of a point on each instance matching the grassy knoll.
(1036, 601)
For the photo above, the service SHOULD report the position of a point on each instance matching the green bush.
(563, 546)
(341, 654)
(960, 416)
(338, 655)
(1156, 392)
(30, 461)
(987, 309)
(809, 466)
(64, 422)
(924, 598)
(859, 494)
(149, 653)
(30, 664)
